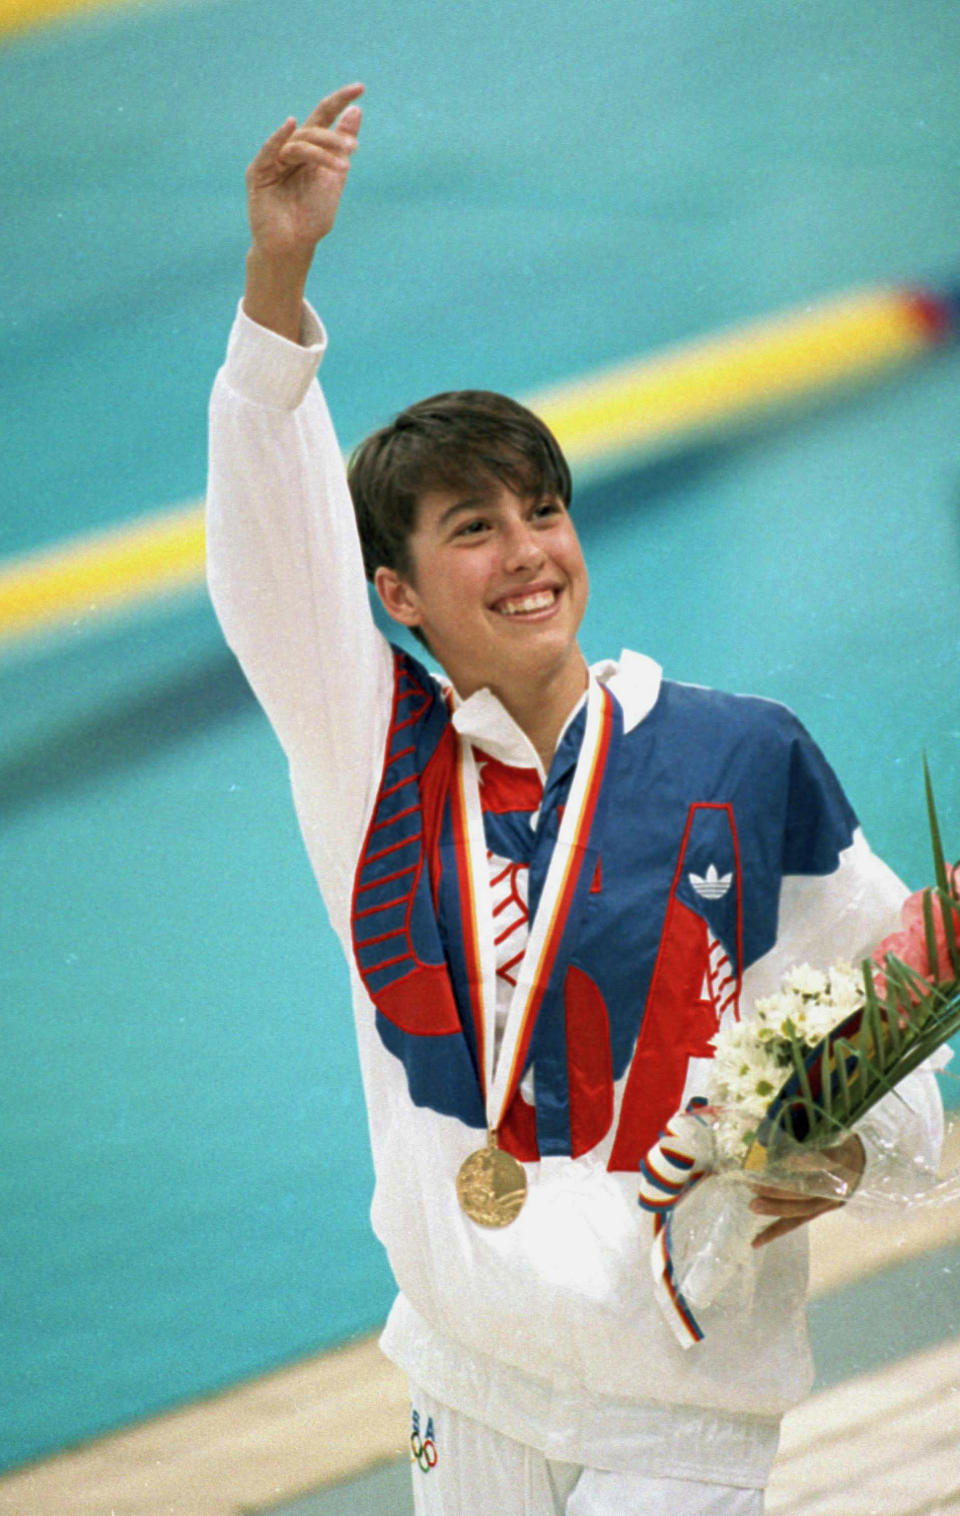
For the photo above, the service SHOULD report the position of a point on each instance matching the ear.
(399, 599)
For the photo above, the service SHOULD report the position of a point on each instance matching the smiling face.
(498, 587)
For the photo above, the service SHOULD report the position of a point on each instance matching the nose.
(523, 548)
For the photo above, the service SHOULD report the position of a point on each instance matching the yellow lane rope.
(18, 15)
(702, 385)
(102, 571)
(653, 405)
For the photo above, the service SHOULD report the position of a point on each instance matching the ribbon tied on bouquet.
(684, 1287)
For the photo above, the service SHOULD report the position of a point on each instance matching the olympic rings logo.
(423, 1451)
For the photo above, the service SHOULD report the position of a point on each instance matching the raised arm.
(284, 562)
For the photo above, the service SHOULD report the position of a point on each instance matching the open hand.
(295, 181)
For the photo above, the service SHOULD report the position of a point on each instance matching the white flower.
(846, 989)
(734, 1132)
(753, 1058)
(803, 980)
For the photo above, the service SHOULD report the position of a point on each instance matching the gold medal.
(492, 1185)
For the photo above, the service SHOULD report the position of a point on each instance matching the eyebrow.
(482, 502)
(468, 503)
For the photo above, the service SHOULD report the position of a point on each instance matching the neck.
(541, 707)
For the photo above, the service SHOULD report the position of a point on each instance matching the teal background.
(541, 189)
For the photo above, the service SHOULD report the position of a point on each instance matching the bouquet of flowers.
(791, 1083)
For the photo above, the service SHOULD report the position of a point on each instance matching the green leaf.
(948, 908)
(826, 1080)
(870, 1018)
(800, 1069)
(917, 995)
(906, 990)
(843, 1049)
(891, 1015)
(870, 1083)
(870, 997)
(879, 1075)
(939, 863)
(779, 1128)
(930, 935)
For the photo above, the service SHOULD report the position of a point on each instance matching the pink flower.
(910, 944)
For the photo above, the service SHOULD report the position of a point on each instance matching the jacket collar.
(633, 679)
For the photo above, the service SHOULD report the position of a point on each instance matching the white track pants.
(461, 1468)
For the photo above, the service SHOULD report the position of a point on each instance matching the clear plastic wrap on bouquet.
(703, 1257)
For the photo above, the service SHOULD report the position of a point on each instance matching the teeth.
(538, 602)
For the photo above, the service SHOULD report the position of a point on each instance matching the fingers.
(791, 1205)
(813, 1184)
(266, 158)
(326, 113)
(773, 1197)
(334, 143)
(779, 1229)
(285, 147)
(790, 1215)
(350, 121)
(317, 148)
(837, 1169)
(305, 155)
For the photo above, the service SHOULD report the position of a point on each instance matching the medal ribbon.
(502, 1073)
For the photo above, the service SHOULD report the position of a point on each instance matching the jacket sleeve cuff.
(266, 368)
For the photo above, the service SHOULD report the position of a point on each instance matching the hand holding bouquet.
(786, 1090)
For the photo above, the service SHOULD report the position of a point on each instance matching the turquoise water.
(541, 190)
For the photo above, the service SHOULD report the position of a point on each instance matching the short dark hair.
(460, 440)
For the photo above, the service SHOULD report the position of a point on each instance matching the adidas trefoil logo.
(712, 886)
